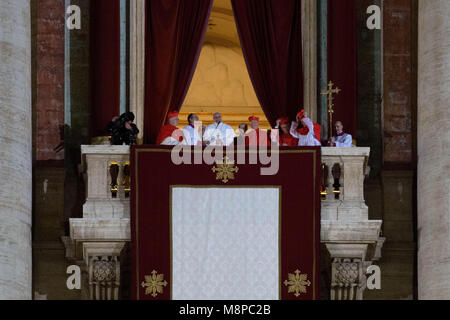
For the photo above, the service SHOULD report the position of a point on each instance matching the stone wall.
(392, 193)
(399, 83)
(369, 88)
(49, 172)
(49, 62)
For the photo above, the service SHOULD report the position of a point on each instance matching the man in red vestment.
(256, 137)
(169, 134)
(285, 138)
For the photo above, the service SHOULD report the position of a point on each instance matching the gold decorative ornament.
(297, 283)
(114, 173)
(154, 284)
(329, 93)
(225, 170)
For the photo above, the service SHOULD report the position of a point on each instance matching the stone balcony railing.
(97, 240)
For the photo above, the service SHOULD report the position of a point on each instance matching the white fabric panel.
(225, 244)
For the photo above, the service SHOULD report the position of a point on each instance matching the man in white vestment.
(219, 133)
(306, 136)
(191, 131)
(342, 140)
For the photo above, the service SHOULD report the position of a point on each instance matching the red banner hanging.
(153, 176)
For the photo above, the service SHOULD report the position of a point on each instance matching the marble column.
(309, 36)
(15, 150)
(322, 72)
(137, 63)
(433, 126)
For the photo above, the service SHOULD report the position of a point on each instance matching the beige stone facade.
(15, 150)
(413, 203)
(434, 150)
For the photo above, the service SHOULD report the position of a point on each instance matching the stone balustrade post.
(352, 240)
(98, 239)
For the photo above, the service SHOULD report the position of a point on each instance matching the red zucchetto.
(172, 114)
(284, 120)
(301, 115)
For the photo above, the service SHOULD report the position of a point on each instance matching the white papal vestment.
(219, 132)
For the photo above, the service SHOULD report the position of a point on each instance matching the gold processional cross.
(329, 93)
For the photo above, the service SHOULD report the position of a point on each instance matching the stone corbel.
(349, 268)
(100, 267)
(103, 265)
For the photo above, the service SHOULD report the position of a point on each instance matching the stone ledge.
(350, 232)
(100, 230)
(340, 152)
(104, 149)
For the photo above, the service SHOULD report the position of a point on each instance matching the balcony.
(96, 240)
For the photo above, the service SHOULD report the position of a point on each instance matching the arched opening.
(221, 82)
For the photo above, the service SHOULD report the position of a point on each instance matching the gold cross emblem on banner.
(329, 93)
(225, 171)
(154, 284)
(297, 283)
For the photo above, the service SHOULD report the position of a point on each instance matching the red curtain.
(271, 38)
(105, 63)
(342, 60)
(174, 36)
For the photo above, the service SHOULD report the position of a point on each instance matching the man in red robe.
(169, 134)
(256, 137)
(285, 138)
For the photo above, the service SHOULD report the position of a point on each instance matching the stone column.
(15, 150)
(309, 35)
(137, 63)
(433, 126)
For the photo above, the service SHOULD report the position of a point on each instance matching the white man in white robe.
(192, 131)
(342, 140)
(306, 136)
(219, 133)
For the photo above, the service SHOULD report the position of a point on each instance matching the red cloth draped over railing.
(271, 38)
(153, 176)
(342, 60)
(174, 36)
(105, 63)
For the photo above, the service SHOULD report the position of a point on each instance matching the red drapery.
(174, 36)
(105, 63)
(342, 60)
(271, 38)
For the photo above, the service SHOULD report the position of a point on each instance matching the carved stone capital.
(349, 268)
(104, 277)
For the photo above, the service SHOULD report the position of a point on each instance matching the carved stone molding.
(348, 279)
(349, 267)
(104, 278)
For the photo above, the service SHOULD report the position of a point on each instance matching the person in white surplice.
(191, 131)
(342, 140)
(219, 133)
